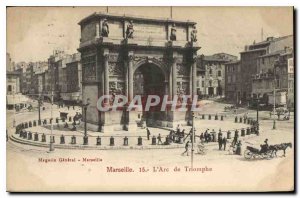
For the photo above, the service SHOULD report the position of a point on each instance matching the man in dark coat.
(219, 135)
(224, 141)
(220, 141)
(159, 139)
(206, 136)
(148, 134)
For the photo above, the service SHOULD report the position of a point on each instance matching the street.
(33, 168)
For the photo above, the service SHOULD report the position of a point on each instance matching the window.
(210, 83)
(9, 88)
(233, 79)
(229, 79)
(202, 83)
(210, 71)
(219, 73)
(198, 83)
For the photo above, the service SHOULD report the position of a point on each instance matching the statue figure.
(173, 33)
(105, 28)
(129, 30)
(194, 34)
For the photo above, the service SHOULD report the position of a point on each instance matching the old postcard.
(150, 99)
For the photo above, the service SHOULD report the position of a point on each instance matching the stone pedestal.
(133, 118)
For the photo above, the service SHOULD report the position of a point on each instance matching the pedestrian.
(68, 107)
(201, 136)
(73, 107)
(148, 134)
(224, 141)
(182, 133)
(187, 145)
(220, 141)
(219, 135)
(206, 135)
(235, 139)
(238, 148)
(159, 139)
(178, 128)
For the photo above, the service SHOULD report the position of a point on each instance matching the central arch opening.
(149, 79)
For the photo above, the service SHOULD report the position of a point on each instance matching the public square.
(104, 98)
(25, 159)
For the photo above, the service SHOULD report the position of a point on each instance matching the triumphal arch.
(136, 56)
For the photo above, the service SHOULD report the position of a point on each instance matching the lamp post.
(257, 116)
(85, 138)
(274, 101)
(193, 138)
(51, 137)
(14, 121)
(39, 103)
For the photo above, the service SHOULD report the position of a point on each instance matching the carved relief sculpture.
(105, 28)
(115, 68)
(129, 30)
(173, 33)
(181, 70)
(194, 34)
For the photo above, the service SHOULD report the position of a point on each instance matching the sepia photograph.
(150, 99)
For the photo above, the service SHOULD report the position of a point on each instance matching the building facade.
(72, 92)
(211, 74)
(233, 82)
(163, 51)
(249, 61)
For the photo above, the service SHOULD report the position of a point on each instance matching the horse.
(277, 147)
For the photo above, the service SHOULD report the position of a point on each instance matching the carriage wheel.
(270, 155)
(248, 154)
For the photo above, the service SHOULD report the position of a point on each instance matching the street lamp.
(14, 121)
(51, 137)
(257, 116)
(39, 103)
(85, 138)
(193, 138)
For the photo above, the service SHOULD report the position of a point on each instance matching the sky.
(34, 32)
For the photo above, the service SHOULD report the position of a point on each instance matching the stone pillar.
(130, 76)
(174, 78)
(126, 79)
(132, 125)
(194, 76)
(106, 74)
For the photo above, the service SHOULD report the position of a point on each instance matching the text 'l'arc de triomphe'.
(134, 55)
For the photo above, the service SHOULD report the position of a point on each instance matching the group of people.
(207, 136)
(221, 140)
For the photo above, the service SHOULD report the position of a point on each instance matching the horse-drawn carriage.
(263, 153)
(266, 152)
